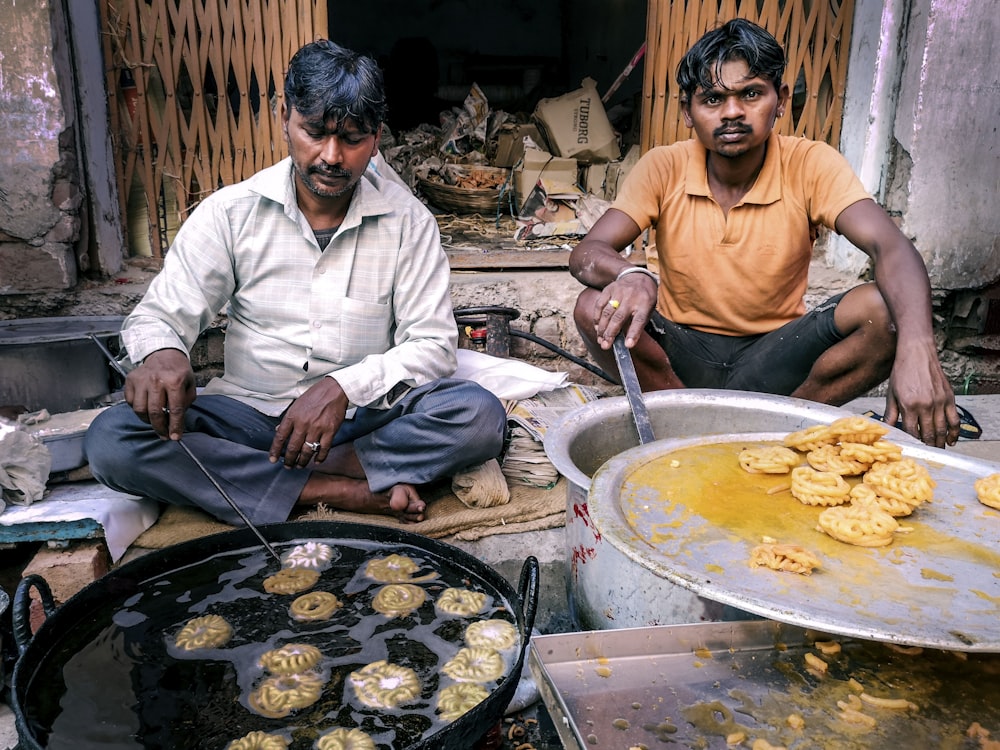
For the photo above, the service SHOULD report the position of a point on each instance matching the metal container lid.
(23, 331)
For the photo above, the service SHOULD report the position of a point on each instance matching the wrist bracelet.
(638, 269)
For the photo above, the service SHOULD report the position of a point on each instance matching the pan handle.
(527, 589)
(21, 608)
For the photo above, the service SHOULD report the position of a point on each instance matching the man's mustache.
(330, 171)
(726, 129)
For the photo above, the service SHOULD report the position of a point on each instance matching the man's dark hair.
(738, 39)
(328, 81)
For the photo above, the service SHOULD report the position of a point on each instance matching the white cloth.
(509, 379)
(123, 517)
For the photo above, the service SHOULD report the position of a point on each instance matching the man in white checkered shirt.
(340, 337)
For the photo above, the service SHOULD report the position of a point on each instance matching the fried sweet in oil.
(768, 459)
(316, 605)
(291, 581)
(259, 741)
(495, 634)
(863, 494)
(398, 599)
(384, 685)
(813, 487)
(345, 739)
(810, 438)
(396, 569)
(315, 555)
(832, 459)
(475, 665)
(904, 480)
(988, 490)
(879, 451)
(787, 557)
(461, 602)
(858, 430)
(290, 658)
(278, 696)
(864, 526)
(207, 631)
(456, 700)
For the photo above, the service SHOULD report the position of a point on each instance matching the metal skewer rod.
(231, 502)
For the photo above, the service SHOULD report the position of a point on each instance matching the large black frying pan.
(99, 671)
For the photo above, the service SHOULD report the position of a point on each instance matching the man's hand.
(160, 390)
(630, 300)
(921, 394)
(306, 431)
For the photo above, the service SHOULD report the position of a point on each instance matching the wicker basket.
(463, 200)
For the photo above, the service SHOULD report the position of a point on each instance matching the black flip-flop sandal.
(968, 429)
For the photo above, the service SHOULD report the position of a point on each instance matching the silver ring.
(312, 446)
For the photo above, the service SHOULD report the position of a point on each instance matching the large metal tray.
(694, 516)
(695, 685)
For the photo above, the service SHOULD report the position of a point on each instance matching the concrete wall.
(39, 176)
(920, 127)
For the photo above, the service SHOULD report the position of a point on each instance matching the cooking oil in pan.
(123, 683)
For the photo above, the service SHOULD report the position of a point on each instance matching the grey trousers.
(433, 431)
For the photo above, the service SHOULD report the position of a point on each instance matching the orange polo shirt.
(745, 273)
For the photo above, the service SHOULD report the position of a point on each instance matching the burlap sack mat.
(530, 509)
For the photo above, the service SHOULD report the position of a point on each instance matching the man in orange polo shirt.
(736, 211)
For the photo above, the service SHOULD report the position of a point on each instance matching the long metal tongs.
(633, 392)
(208, 475)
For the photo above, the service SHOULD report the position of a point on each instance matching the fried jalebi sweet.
(810, 438)
(316, 605)
(880, 450)
(259, 741)
(475, 665)
(291, 581)
(278, 696)
(314, 555)
(384, 685)
(857, 430)
(461, 602)
(988, 490)
(790, 557)
(904, 480)
(396, 569)
(290, 658)
(862, 525)
(813, 487)
(345, 739)
(207, 631)
(768, 459)
(456, 700)
(863, 494)
(496, 634)
(831, 458)
(398, 599)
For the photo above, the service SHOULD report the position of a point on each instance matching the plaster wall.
(39, 194)
(920, 128)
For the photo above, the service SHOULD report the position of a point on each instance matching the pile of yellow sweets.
(891, 486)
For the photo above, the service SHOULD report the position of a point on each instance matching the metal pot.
(134, 606)
(52, 363)
(607, 589)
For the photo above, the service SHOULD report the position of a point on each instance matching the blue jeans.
(433, 431)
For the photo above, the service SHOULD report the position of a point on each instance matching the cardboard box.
(510, 143)
(617, 171)
(595, 178)
(539, 163)
(576, 125)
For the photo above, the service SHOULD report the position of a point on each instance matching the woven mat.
(530, 509)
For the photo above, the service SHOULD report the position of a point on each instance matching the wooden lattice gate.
(816, 35)
(194, 90)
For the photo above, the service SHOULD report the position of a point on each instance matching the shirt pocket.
(354, 330)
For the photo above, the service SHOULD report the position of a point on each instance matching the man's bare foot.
(354, 495)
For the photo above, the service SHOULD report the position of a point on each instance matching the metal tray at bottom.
(695, 685)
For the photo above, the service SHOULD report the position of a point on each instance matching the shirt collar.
(766, 189)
